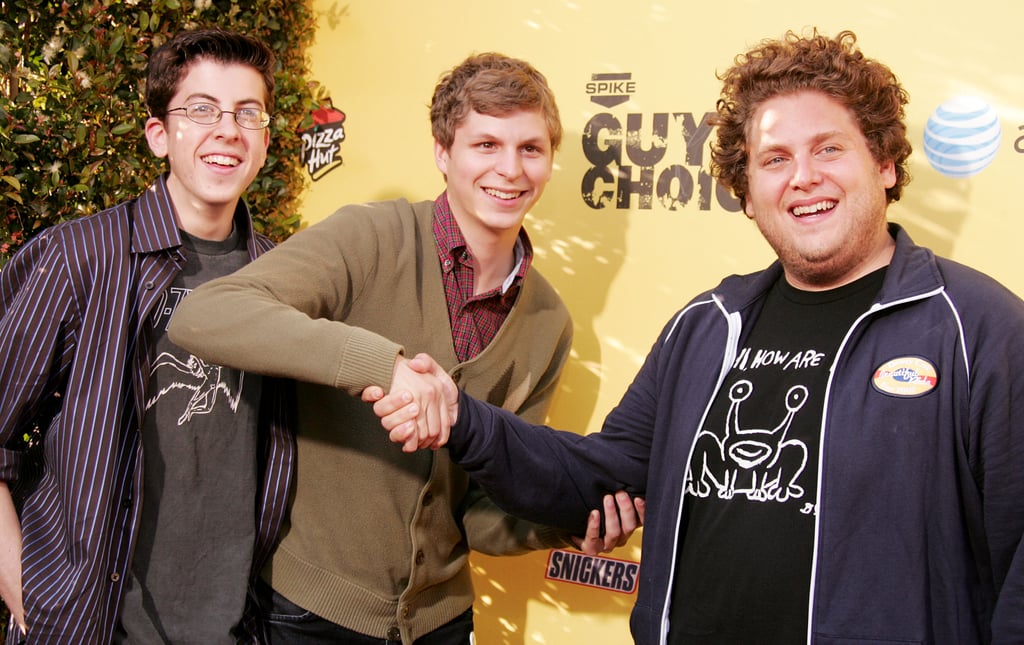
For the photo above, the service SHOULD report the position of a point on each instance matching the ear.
(441, 157)
(156, 136)
(888, 173)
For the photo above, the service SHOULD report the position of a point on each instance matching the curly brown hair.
(832, 66)
(495, 85)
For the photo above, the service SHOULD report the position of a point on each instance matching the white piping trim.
(734, 323)
(875, 308)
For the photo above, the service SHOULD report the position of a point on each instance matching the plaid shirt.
(475, 319)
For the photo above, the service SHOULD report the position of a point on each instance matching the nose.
(805, 172)
(227, 127)
(508, 164)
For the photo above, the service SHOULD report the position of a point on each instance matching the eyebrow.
(202, 97)
(815, 139)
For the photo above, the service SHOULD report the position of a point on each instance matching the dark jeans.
(288, 624)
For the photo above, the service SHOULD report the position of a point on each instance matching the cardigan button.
(394, 634)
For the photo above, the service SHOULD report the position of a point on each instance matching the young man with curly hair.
(830, 448)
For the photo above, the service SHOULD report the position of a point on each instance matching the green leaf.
(116, 44)
(123, 128)
(13, 181)
(25, 138)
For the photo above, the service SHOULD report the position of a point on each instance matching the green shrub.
(72, 113)
(72, 110)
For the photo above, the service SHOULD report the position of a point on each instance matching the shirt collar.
(155, 221)
(451, 244)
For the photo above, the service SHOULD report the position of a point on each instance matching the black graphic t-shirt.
(195, 540)
(744, 559)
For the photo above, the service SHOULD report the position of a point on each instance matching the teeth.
(800, 211)
(501, 194)
(221, 160)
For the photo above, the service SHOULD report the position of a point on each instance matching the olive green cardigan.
(377, 538)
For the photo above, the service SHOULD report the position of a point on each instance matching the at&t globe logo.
(962, 137)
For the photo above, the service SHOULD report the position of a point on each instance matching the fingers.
(622, 517)
(372, 394)
(630, 517)
(591, 543)
(421, 406)
(612, 524)
(425, 364)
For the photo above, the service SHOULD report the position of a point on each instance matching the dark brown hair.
(169, 64)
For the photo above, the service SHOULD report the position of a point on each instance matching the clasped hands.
(419, 411)
(422, 405)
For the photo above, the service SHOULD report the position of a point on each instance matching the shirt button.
(420, 557)
(428, 498)
(149, 285)
(394, 634)
(114, 577)
(405, 611)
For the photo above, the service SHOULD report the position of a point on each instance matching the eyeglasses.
(209, 114)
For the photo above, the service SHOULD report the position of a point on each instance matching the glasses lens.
(203, 113)
(252, 119)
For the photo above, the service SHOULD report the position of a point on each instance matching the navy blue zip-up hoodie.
(920, 508)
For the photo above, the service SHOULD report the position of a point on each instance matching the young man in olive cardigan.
(378, 542)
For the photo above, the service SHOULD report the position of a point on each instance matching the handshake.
(422, 405)
(419, 412)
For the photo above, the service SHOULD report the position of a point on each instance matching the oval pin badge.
(906, 376)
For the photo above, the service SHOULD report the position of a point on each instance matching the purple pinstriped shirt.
(73, 304)
(475, 319)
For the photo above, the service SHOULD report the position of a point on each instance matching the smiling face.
(211, 165)
(816, 192)
(496, 168)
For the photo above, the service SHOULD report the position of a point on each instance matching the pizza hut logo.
(321, 144)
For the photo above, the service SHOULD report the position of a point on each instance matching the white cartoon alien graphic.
(761, 464)
(206, 383)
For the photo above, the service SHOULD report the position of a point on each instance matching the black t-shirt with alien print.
(743, 564)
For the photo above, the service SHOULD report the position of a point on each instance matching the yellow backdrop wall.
(623, 271)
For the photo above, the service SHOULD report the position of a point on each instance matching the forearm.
(532, 472)
(287, 314)
(228, 322)
(10, 556)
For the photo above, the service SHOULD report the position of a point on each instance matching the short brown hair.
(495, 85)
(170, 62)
(833, 66)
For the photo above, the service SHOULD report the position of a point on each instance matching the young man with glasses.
(165, 476)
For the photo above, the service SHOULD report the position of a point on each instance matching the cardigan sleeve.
(282, 315)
